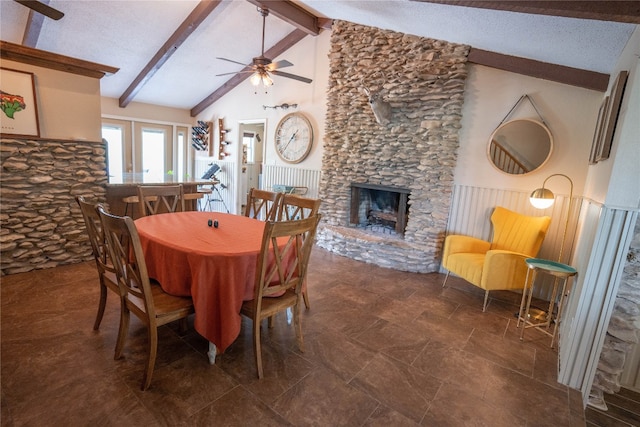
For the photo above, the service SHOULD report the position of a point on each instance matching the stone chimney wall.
(423, 80)
(40, 222)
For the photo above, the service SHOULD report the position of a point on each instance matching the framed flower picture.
(19, 116)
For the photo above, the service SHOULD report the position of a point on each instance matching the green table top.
(552, 267)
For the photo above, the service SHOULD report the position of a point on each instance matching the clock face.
(294, 136)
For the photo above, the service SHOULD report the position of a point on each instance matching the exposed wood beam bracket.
(292, 14)
(278, 49)
(617, 11)
(188, 26)
(529, 67)
(53, 61)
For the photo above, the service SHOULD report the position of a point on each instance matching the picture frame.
(611, 117)
(19, 109)
(597, 135)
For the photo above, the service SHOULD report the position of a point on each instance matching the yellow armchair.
(499, 264)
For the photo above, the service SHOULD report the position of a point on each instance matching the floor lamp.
(543, 198)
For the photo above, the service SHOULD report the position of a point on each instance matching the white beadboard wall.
(604, 240)
(470, 215)
(285, 175)
(225, 175)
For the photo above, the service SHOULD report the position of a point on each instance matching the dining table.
(209, 256)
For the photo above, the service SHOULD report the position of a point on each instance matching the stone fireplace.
(423, 80)
(379, 208)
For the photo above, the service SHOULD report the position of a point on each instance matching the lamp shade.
(255, 79)
(542, 198)
(261, 77)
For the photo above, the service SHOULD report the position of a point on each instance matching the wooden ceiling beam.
(188, 26)
(278, 49)
(292, 14)
(617, 11)
(543, 70)
(53, 61)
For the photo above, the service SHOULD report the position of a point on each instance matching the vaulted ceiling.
(165, 51)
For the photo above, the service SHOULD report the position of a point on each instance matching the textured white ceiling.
(127, 33)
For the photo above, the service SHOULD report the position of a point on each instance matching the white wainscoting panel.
(285, 175)
(606, 234)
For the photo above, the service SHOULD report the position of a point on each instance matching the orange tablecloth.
(215, 266)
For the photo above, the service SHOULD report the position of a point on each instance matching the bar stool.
(192, 200)
(129, 200)
(206, 198)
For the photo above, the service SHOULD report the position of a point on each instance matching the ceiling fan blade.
(279, 64)
(235, 72)
(42, 8)
(231, 60)
(291, 76)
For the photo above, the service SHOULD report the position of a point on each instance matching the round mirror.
(520, 146)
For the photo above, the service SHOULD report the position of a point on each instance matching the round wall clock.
(294, 136)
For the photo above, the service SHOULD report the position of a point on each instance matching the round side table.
(560, 272)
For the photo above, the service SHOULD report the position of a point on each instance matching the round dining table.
(210, 256)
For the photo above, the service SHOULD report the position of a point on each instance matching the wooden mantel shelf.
(41, 58)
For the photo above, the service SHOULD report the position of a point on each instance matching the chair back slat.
(96, 236)
(154, 199)
(293, 207)
(127, 256)
(262, 204)
(284, 256)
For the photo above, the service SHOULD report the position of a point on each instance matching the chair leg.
(122, 330)
(306, 300)
(184, 325)
(257, 348)
(152, 335)
(298, 326)
(445, 279)
(486, 298)
(101, 305)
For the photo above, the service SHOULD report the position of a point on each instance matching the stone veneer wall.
(424, 82)
(624, 326)
(40, 222)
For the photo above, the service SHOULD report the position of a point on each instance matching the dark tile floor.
(382, 348)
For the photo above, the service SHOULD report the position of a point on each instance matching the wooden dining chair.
(262, 204)
(293, 207)
(106, 270)
(154, 199)
(280, 272)
(146, 300)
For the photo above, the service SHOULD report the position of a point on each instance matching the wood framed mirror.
(520, 146)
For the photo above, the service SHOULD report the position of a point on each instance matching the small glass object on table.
(559, 271)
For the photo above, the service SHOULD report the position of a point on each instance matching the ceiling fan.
(42, 7)
(262, 67)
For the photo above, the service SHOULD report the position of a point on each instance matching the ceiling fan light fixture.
(261, 77)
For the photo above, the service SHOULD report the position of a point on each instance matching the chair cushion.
(467, 265)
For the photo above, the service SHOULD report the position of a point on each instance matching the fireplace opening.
(379, 208)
